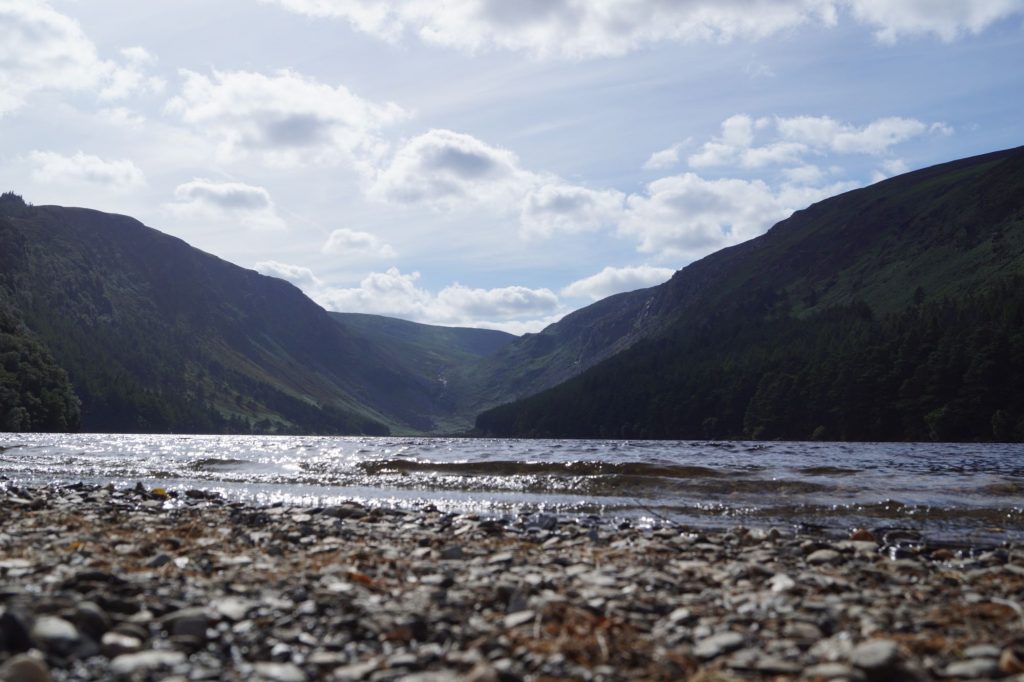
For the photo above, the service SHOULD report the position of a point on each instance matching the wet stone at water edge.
(135, 584)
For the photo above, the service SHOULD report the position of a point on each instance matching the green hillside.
(890, 312)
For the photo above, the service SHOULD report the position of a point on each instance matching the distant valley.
(892, 312)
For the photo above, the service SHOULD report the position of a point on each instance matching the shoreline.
(130, 583)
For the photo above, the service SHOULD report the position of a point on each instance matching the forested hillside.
(888, 313)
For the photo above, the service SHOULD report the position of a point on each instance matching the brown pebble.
(1010, 663)
(862, 535)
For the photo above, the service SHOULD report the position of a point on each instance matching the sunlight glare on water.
(947, 489)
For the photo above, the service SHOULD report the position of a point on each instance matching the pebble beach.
(136, 583)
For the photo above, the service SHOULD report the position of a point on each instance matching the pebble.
(875, 655)
(25, 668)
(55, 635)
(143, 662)
(824, 556)
(200, 588)
(973, 669)
(280, 672)
(719, 644)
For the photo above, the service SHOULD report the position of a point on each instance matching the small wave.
(827, 471)
(519, 468)
(1005, 488)
(215, 463)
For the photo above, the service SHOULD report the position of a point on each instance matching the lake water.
(947, 491)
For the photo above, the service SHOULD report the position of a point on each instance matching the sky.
(489, 163)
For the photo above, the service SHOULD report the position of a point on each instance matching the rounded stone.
(875, 655)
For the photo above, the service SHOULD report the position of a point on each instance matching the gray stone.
(55, 635)
(973, 669)
(982, 651)
(92, 620)
(773, 665)
(191, 622)
(875, 655)
(824, 556)
(833, 671)
(780, 582)
(159, 560)
(452, 553)
(126, 665)
(233, 608)
(719, 644)
(514, 620)
(355, 671)
(280, 672)
(115, 643)
(14, 632)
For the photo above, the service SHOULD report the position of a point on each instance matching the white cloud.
(286, 117)
(301, 277)
(794, 138)
(234, 202)
(446, 169)
(567, 28)
(877, 137)
(665, 158)
(889, 168)
(579, 29)
(119, 174)
(353, 244)
(42, 49)
(947, 20)
(516, 309)
(807, 174)
(131, 77)
(454, 171)
(687, 216)
(568, 208)
(616, 280)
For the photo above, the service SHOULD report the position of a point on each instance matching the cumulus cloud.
(131, 76)
(445, 169)
(354, 244)
(452, 171)
(617, 280)
(947, 20)
(51, 167)
(301, 277)
(567, 28)
(286, 117)
(877, 137)
(665, 158)
(568, 208)
(889, 168)
(235, 202)
(393, 293)
(687, 216)
(579, 29)
(794, 138)
(42, 49)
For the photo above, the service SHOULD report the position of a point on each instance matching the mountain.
(435, 357)
(158, 336)
(887, 313)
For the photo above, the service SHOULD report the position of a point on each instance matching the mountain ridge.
(942, 233)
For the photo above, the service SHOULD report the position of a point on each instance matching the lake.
(946, 491)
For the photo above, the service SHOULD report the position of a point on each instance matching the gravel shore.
(138, 584)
